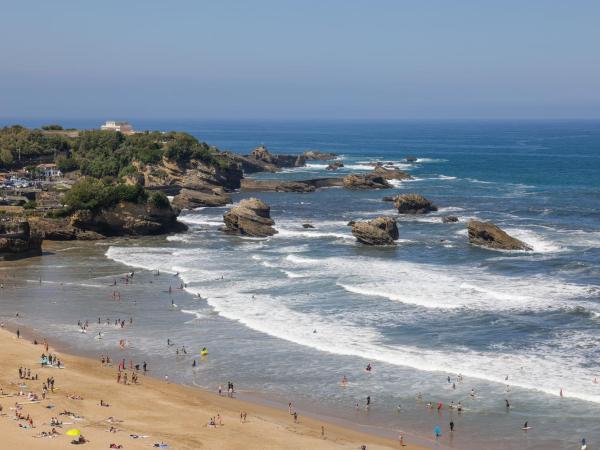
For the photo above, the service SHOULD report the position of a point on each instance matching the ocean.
(290, 315)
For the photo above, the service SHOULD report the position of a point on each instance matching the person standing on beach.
(18, 334)
(451, 426)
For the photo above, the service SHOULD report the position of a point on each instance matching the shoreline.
(85, 377)
(250, 399)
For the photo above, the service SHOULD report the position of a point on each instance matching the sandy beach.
(155, 411)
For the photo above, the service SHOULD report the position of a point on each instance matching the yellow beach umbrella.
(73, 432)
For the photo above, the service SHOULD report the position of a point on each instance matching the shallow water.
(293, 313)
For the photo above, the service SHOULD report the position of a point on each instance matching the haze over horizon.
(291, 60)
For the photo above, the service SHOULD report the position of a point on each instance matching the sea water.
(292, 314)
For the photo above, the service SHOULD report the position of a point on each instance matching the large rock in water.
(487, 234)
(413, 204)
(392, 173)
(316, 155)
(379, 231)
(367, 181)
(250, 217)
(17, 240)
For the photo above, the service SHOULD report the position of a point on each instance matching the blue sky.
(300, 59)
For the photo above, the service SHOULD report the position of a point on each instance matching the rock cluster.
(379, 231)
(335, 165)
(449, 219)
(392, 173)
(366, 181)
(413, 204)
(316, 155)
(487, 234)
(250, 217)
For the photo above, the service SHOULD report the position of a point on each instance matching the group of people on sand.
(50, 360)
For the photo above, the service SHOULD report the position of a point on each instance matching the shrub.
(67, 164)
(159, 200)
(30, 204)
(93, 194)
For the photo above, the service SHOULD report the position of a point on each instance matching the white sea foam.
(431, 160)
(539, 243)
(428, 286)
(310, 233)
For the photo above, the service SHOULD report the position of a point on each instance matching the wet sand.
(162, 411)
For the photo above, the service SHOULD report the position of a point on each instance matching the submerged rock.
(487, 234)
(411, 159)
(449, 219)
(413, 204)
(307, 225)
(250, 217)
(335, 165)
(379, 231)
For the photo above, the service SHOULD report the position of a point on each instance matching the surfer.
(344, 380)
(526, 426)
(368, 368)
(507, 404)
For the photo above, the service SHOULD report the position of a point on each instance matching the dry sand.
(169, 413)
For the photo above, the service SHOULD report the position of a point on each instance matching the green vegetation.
(159, 200)
(93, 194)
(104, 158)
(30, 204)
(65, 164)
(100, 153)
(19, 142)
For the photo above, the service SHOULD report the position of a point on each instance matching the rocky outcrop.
(411, 159)
(449, 219)
(253, 185)
(250, 217)
(413, 204)
(262, 154)
(190, 199)
(307, 225)
(128, 219)
(391, 174)
(18, 240)
(366, 181)
(316, 155)
(261, 160)
(487, 234)
(61, 230)
(379, 231)
(194, 174)
(335, 165)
